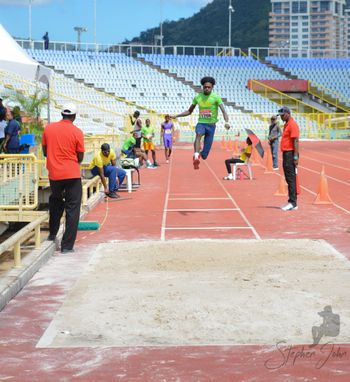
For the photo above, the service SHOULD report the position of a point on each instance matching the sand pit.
(203, 292)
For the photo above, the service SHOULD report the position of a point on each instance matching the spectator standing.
(2, 107)
(63, 146)
(290, 152)
(147, 132)
(166, 136)
(17, 115)
(273, 139)
(3, 124)
(104, 165)
(46, 41)
(137, 126)
(11, 143)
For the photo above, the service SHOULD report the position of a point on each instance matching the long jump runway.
(193, 279)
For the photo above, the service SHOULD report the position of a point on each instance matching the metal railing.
(327, 95)
(263, 52)
(16, 240)
(283, 99)
(131, 49)
(18, 181)
(197, 50)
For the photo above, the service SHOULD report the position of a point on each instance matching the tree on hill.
(209, 26)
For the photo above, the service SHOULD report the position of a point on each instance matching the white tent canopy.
(14, 59)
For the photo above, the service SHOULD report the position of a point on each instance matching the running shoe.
(289, 207)
(196, 162)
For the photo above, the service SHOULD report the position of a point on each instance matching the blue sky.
(115, 19)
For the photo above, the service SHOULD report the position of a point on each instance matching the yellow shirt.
(244, 156)
(99, 160)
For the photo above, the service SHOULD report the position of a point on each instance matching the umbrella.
(256, 142)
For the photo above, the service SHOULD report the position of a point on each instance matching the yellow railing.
(91, 191)
(16, 240)
(18, 181)
(284, 99)
(327, 95)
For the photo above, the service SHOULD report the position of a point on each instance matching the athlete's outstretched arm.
(222, 108)
(185, 113)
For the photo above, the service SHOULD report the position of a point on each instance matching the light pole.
(94, 5)
(230, 11)
(79, 31)
(30, 22)
(161, 25)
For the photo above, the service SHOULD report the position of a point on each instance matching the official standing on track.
(290, 151)
(63, 146)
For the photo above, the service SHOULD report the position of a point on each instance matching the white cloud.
(24, 2)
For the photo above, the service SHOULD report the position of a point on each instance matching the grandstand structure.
(109, 85)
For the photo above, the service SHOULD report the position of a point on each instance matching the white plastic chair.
(241, 166)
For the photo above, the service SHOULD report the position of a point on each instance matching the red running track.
(176, 202)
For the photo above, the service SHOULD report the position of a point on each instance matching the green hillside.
(210, 26)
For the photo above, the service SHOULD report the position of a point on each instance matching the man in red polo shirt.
(63, 147)
(290, 150)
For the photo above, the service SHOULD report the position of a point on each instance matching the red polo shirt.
(290, 131)
(63, 141)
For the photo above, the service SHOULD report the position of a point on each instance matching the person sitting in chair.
(104, 165)
(130, 150)
(246, 153)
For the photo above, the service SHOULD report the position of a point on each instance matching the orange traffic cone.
(269, 168)
(235, 147)
(229, 145)
(223, 143)
(255, 156)
(322, 193)
(282, 187)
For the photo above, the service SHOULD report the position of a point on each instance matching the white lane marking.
(257, 236)
(201, 209)
(328, 177)
(204, 228)
(199, 198)
(162, 230)
(329, 164)
(334, 204)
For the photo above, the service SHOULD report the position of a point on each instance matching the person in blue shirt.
(3, 124)
(46, 41)
(11, 143)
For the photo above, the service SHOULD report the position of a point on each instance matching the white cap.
(69, 109)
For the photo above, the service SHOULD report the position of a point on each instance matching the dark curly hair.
(208, 79)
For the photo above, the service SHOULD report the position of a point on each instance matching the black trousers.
(65, 196)
(289, 174)
(228, 163)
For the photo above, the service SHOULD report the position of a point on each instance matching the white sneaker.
(289, 207)
(228, 177)
(276, 168)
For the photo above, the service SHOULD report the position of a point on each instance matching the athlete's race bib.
(205, 114)
(167, 131)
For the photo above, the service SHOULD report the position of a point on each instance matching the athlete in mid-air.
(209, 103)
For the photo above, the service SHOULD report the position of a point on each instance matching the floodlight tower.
(230, 11)
(79, 31)
(30, 21)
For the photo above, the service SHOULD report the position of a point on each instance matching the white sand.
(204, 292)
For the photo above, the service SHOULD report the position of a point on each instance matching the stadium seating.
(332, 73)
(231, 73)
